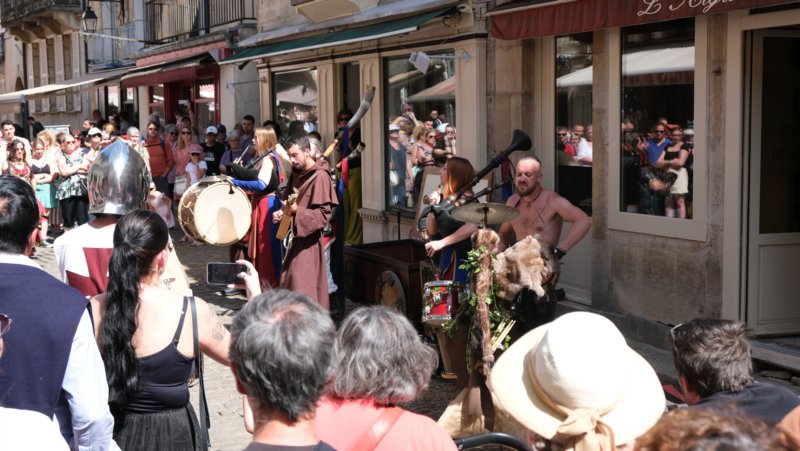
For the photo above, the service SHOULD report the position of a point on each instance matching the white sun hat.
(575, 381)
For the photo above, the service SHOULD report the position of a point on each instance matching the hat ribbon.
(583, 428)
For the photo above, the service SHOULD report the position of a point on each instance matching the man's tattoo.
(539, 215)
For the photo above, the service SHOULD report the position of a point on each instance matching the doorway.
(772, 218)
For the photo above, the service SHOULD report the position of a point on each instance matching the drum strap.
(370, 440)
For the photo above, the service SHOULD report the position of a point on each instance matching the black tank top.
(40, 170)
(164, 376)
(672, 155)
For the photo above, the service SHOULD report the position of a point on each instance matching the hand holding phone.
(250, 281)
(220, 273)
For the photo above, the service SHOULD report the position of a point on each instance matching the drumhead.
(222, 214)
(445, 283)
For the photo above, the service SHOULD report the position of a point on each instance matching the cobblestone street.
(225, 404)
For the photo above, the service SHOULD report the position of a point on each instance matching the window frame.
(450, 51)
(695, 229)
(273, 89)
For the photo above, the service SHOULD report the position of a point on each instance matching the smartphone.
(220, 273)
(183, 102)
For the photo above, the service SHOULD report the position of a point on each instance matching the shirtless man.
(541, 211)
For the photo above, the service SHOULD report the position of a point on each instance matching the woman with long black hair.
(145, 336)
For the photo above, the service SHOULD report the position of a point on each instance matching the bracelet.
(560, 253)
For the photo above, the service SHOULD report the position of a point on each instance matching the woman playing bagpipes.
(261, 177)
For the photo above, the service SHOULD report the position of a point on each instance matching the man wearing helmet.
(117, 183)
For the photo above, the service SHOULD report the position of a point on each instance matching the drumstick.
(503, 333)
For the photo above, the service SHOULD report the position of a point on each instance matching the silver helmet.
(117, 180)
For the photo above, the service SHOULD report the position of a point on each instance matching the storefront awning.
(537, 18)
(350, 36)
(95, 77)
(647, 62)
(444, 90)
(163, 73)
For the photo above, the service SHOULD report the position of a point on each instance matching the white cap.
(393, 128)
(212, 129)
(94, 131)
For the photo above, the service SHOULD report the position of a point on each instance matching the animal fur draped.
(482, 285)
(527, 264)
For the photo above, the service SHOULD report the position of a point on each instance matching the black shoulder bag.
(205, 420)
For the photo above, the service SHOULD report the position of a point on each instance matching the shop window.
(574, 133)
(657, 124)
(419, 105)
(296, 100)
(156, 101)
(205, 104)
(112, 99)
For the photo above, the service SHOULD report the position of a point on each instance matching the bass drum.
(215, 212)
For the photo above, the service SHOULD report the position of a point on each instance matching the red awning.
(523, 19)
(162, 74)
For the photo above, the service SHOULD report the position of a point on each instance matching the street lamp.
(89, 20)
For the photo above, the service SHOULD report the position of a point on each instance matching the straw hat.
(578, 368)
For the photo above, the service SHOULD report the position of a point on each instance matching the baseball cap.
(393, 128)
(221, 128)
(212, 130)
(94, 131)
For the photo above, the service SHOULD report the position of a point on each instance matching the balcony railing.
(173, 20)
(14, 10)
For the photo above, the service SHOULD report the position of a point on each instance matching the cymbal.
(488, 213)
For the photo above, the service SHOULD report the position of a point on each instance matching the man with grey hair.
(714, 363)
(282, 356)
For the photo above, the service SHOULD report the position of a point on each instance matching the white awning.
(19, 96)
(444, 90)
(679, 59)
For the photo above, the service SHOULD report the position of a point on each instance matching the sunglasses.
(431, 136)
(96, 135)
(152, 129)
(186, 133)
(5, 324)
(195, 154)
(673, 333)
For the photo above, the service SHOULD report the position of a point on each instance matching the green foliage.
(498, 310)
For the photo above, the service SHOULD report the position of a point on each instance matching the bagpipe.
(519, 141)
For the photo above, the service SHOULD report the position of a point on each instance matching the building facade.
(178, 66)
(63, 73)
(319, 57)
(724, 72)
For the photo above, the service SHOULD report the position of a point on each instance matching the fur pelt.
(527, 264)
(482, 284)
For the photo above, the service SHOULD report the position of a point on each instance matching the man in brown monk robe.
(311, 186)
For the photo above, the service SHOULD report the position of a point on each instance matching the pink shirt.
(182, 157)
(342, 423)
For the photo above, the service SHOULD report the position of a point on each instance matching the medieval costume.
(263, 248)
(304, 265)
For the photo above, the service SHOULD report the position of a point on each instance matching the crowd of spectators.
(657, 169)
(119, 363)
